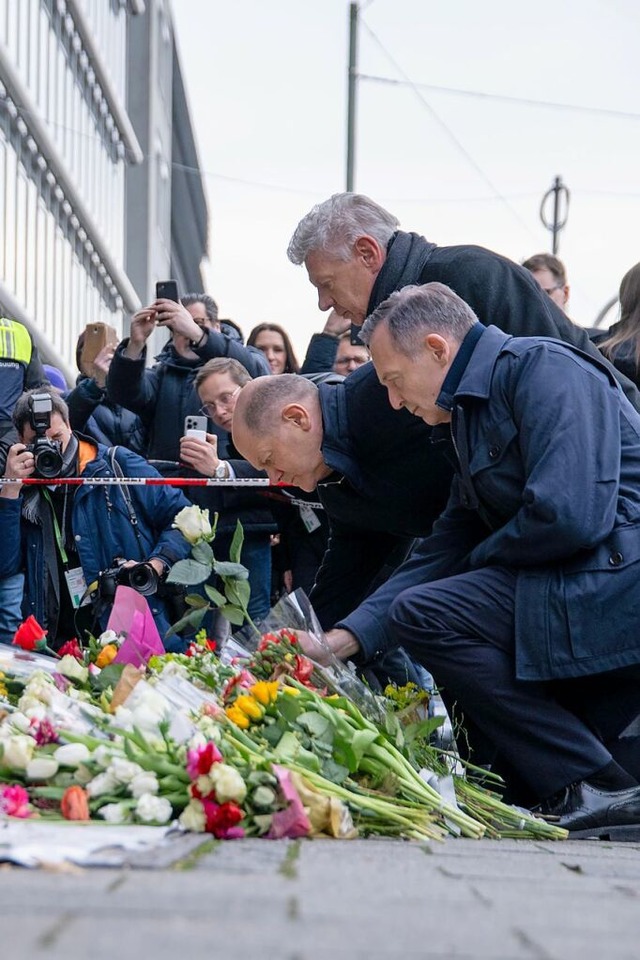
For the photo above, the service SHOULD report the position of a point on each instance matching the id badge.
(77, 586)
(309, 518)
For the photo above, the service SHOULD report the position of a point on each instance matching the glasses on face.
(223, 402)
(345, 361)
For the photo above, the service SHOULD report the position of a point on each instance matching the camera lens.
(48, 461)
(144, 579)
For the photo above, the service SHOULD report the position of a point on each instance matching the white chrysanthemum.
(151, 809)
(103, 783)
(145, 782)
(123, 770)
(115, 813)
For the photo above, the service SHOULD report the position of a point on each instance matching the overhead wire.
(449, 133)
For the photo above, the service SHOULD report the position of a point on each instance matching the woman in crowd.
(276, 346)
(621, 345)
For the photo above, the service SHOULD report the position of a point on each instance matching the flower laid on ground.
(31, 636)
(14, 802)
(259, 747)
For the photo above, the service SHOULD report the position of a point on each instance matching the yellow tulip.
(250, 707)
(237, 716)
(264, 691)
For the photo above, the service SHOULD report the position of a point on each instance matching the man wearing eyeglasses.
(550, 273)
(349, 356)
(218, 384)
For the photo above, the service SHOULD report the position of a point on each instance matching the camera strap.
(117, 469)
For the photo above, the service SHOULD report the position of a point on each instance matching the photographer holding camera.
(76, 543)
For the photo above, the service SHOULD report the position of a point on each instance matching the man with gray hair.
(356, 257)
(506, 602)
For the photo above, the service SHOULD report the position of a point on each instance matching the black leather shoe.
(588, 812)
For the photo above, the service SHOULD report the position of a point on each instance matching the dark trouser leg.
(462, 630)
(609, 703)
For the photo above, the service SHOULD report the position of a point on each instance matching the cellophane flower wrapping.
(295, 612)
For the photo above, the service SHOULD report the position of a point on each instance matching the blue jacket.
(548, 484)
(102, 530)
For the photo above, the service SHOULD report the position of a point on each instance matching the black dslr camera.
(141, 577)
(47, 453)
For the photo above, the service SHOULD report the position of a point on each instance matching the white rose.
(193, 523)
(123, 770)
(115, 812)
(152, 809)
(144, 782)
(109, 636)
(103, 783)
(72, 754)
(72, 668)
(17, 751)
(41, 768)
(227, 783)
(193, 817)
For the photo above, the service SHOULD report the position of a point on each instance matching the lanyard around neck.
(56, 526)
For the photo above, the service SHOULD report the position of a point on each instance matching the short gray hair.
(22, 411)
(334, 226)
(415, 310)
(270, 395)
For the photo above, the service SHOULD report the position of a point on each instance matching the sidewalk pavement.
(302, 900)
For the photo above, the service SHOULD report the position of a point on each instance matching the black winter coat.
(498, 291)
(93, 414)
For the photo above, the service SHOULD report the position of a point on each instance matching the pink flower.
(14, 802)
(43, 731)
(200, 760)
(291, 822)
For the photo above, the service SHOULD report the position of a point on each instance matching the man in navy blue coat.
(524, 601)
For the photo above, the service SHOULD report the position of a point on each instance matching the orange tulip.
(74, 804)
(106, 655)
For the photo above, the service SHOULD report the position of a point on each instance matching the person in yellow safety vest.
(20, 369)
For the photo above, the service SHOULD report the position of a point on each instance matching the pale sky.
(267, 85)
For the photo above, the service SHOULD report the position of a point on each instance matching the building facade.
(87, 137)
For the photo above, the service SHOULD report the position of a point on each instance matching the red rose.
(72, 649)
(30, 635)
